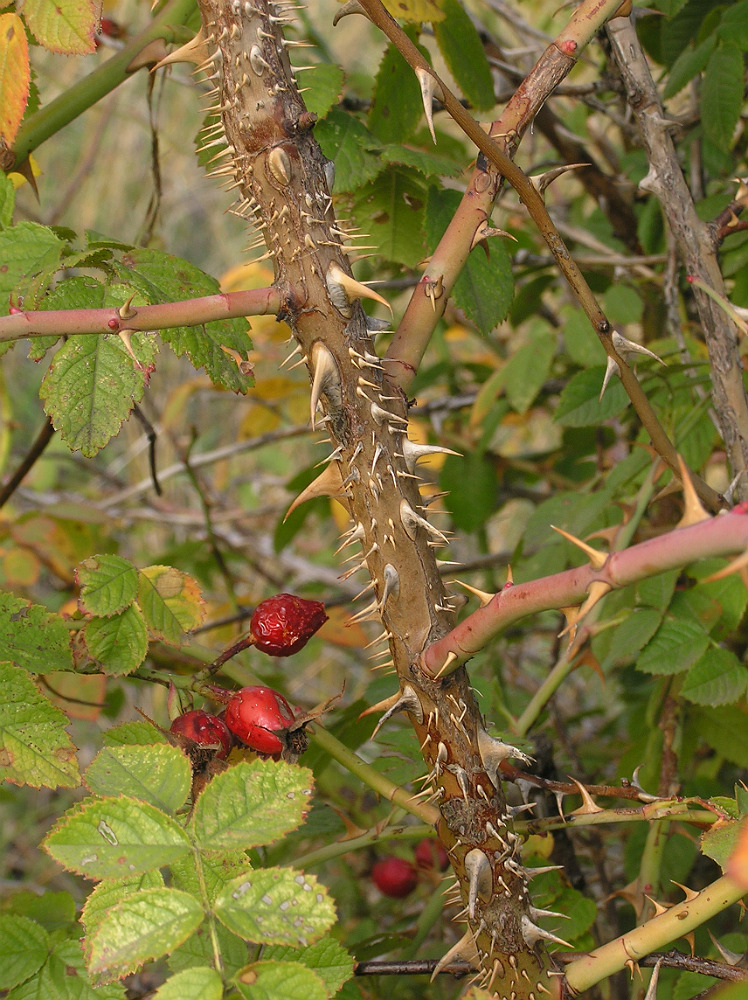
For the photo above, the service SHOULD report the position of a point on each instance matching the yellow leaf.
(14, 76)
(65, 26)
(415, 10)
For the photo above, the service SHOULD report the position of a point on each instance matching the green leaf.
(32, 637)
(24, 946)
(251, 804)
(199, 983)
(734, 24)
(396, 107)
(632, 634)
(276, 906)
(64, 977)
(425, 163)
(350, 144)
(26, 250)
(134, 734)
(690, 62)
(527, 369)
(171, 602)
(720, 841)
(111, 891)
(678, 643)
(722, 94)
(717, 678)
(390, 209)
(92, 385)
(216, 871)
(108, 584)
(723, 729)
(657, 591)
(160, 775)
(460, 44)
(144, 926)
(118, 644)
(322, 86)
(580, 404)
(268, 980)
(472, 486)
(53, 910)
(164, 278)
(7, 200)
(34, 747)
(679, 31)
(108, 838)
(327, 958)
(64, 26)
(485, 286)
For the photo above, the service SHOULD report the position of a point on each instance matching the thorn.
(430, 88)
(611, 369)
(343, 288)
(660, 908)
(694, 512)
(596, 591)
(690, 894)
(485, 232)
(480, 877)
(589, 806)
(483, 596)
(391, 586)
(464, 951)
(627, 347)
(328, 484)
(294, 352)
(531, 934)
(413, 451)
(125, 311)
(412, 522)
(542, 181)
(651, 993)
(536, 914)
(195, 51)
(597, 558)
(493, 751)
(326, 377)
(451, 658)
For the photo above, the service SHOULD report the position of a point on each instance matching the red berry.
(258, 716)
(283, 624)
(394, 877)
(204, 729)
(430, 853)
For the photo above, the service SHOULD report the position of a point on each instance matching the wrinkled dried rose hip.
(283, 624)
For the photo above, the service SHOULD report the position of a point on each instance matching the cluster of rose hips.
(398, 877)
(255, 716)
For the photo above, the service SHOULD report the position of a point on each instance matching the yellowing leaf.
(737, 866)
(66, 26)
(171, 601)
(415, 10)
(14, 75)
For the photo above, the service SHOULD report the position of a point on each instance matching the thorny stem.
(161, 316)
(83, 95)
(568, 44)
(371, 777)
(678, 921)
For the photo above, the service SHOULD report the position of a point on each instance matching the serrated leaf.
(65, 26)
(723, 729)
(717, 678)
(200, 983)
(426, 163)
(526, 371)
(15, 76)
(678, 31)
(118, 644)
(64, 977)
(134, 734)
(460, 44)
(108, 584)
(721, 840)
(34, 747)
(162, 277)
(92, 385)
(632, 634)
(396, 106)
(268, 980)
(25, 250)
(390, 210)
(216, 871)
(32, 637)
(733, 26)
(144, 926)
(113, 890)
(251, 804)
(485, 286)
(677, 644)
(52, 910)
(722, 94)
(171, 602)
(580, 405)
(109, 838)
(347, 141)
(276, 906)
(160, 775)
(322, 86)
(328, 958)
(690, 62)
(24, 946)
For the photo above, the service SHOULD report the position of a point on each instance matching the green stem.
(84, 94)
(215, 943)
(373, 836)
(431, 912)
(371, 777)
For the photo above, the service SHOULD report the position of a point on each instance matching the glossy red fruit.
(395, 877)
(430, 853)
(258, 716)
(283, 624)
(204, 729)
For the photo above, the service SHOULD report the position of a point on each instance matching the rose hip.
(394, 877)
(259, 716)
(204, 729)
(283, 624)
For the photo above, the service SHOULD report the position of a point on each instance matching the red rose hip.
(430, 854)
(394, 877)
(283, 624)
(258, 716)
(204, 729)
